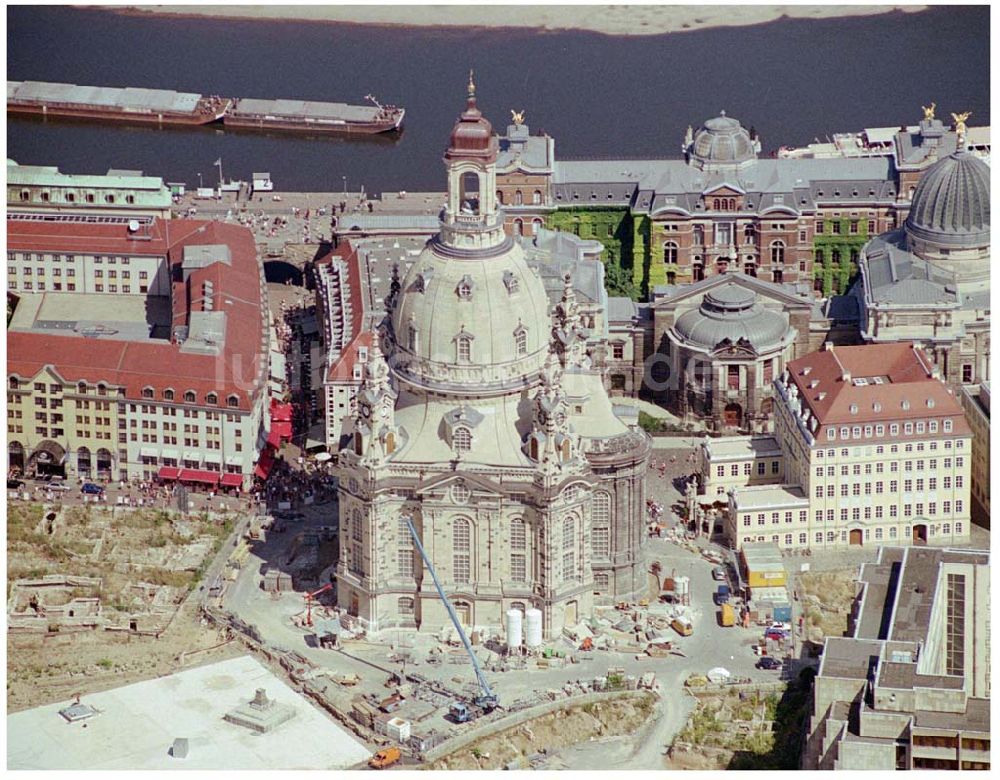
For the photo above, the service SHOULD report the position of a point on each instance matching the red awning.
(265, 463)
(281, 412)
(168, 472)
(198, 475)
(231, 480)
(280, 431)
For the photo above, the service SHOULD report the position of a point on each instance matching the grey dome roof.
(951, 205)
(732, 312)
(723, 142)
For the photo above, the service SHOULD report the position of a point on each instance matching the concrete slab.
(137, 725)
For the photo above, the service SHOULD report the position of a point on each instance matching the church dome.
(951, 205)
(471, 321)
(732, 312)
(723, 142)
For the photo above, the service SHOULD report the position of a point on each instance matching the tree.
(618, 282)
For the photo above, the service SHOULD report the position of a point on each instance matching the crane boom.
(488, 698)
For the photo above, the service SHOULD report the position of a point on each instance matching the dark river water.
(596, 95)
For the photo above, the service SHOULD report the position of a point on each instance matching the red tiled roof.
(160, 364)
(826, 385)
(342, 370)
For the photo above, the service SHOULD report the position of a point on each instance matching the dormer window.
(947, 426)
(511, 282)
(147, 392)
(81, 387)
(168, 394)
(212, 398)
(233, 401)
(464, 289)
(462, 439)
(189, 397)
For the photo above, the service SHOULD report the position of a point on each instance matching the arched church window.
(518, 550)
(600, 534)
(518, 227)
(500, 197)
(461, 544)
(404, 550)
(670, 252)
(521, 342)
(518, 198)
(470, 193)
(411, 338)
(536, 197)
(463, 348)
(749, 233)
(536, 225)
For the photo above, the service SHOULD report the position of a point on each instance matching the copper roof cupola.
(472, 137)
(471, 221)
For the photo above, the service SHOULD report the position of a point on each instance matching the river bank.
(618, 20)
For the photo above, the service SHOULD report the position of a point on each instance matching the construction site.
(100, 596)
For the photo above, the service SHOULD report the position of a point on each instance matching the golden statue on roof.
(517, 116)
(929, 112)
(960, 127)
(472, 84)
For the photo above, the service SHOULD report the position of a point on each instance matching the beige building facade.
(482, 418)
(875, 450)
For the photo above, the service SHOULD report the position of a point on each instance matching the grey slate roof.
(520, 147)
(788, 184)
(733, 311)
(896, 276)
(622, 309)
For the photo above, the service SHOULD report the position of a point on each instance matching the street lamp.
(345, 184)
(199, 180)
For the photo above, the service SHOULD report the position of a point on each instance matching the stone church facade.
(483, 419)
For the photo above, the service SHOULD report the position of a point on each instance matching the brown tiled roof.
(239, 292)
(825, 380)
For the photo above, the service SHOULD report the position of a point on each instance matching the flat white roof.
(138, 723)
(766, 497)
(742, 447)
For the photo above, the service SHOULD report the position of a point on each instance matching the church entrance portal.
(857, 537)
(920, 534)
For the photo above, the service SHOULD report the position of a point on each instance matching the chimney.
(828, 346)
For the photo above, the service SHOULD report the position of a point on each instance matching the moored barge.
(134, 105)
(314, 116)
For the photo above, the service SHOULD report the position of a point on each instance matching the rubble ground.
(826, 601)
(550, 732)
(123, 548)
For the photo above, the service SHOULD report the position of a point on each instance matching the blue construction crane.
(487, 700)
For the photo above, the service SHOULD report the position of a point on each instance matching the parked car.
(768, 662)
(62, 487)
(13, 484)
(722, 595)
(776, 633)
(719, 573)
(779, 626)
(92, 488)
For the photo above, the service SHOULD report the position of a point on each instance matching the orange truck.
(385, 758)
